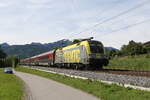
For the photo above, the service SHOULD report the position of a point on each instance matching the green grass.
(141, 62)
(11, 88)
(99, 89)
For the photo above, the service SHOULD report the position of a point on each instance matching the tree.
(2, 54)
(147, 46)
(113, 53)
(11, 61)
(133, 48)
(76, 41)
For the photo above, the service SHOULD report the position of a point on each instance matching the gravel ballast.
(121, 79)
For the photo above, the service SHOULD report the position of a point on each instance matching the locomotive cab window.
(96, 47)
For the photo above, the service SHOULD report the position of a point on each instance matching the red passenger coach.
(45, 58)
(42, 59)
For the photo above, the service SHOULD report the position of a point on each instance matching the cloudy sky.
(26, 21)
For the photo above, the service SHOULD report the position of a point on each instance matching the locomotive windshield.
(96, 47)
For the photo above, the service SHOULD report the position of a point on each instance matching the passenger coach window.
(44, 58)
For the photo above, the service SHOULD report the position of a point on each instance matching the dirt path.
(45, 89)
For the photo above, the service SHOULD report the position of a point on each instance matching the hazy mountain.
(4, 44)
(111, 48)
(28, 50)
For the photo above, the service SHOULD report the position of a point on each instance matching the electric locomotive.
(85, 54)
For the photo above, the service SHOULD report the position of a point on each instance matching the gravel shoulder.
(121, 79)
(39, 88)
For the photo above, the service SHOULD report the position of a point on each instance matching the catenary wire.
(116, 16)
(130, 26)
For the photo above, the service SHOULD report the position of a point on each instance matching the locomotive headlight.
(98, 56)
(92, 55)
(95, 55)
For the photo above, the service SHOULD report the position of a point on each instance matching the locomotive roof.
(85, 42)
(76, 44)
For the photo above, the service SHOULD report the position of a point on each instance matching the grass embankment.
(11, 88)
(141, 62)
(101, 90)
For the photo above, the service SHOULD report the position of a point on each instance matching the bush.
(147, 56)
(10, 61)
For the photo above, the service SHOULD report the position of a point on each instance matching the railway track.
(126, 72)
(139, 73)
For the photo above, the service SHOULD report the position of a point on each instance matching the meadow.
(140, 62)
(11, 87)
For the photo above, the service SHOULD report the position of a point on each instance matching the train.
(86, 54)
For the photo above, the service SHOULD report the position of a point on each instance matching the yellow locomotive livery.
(88, 53)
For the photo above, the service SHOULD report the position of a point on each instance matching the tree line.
(7, 61)
(131, 49)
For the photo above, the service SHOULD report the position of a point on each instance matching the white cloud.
(24, 21)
